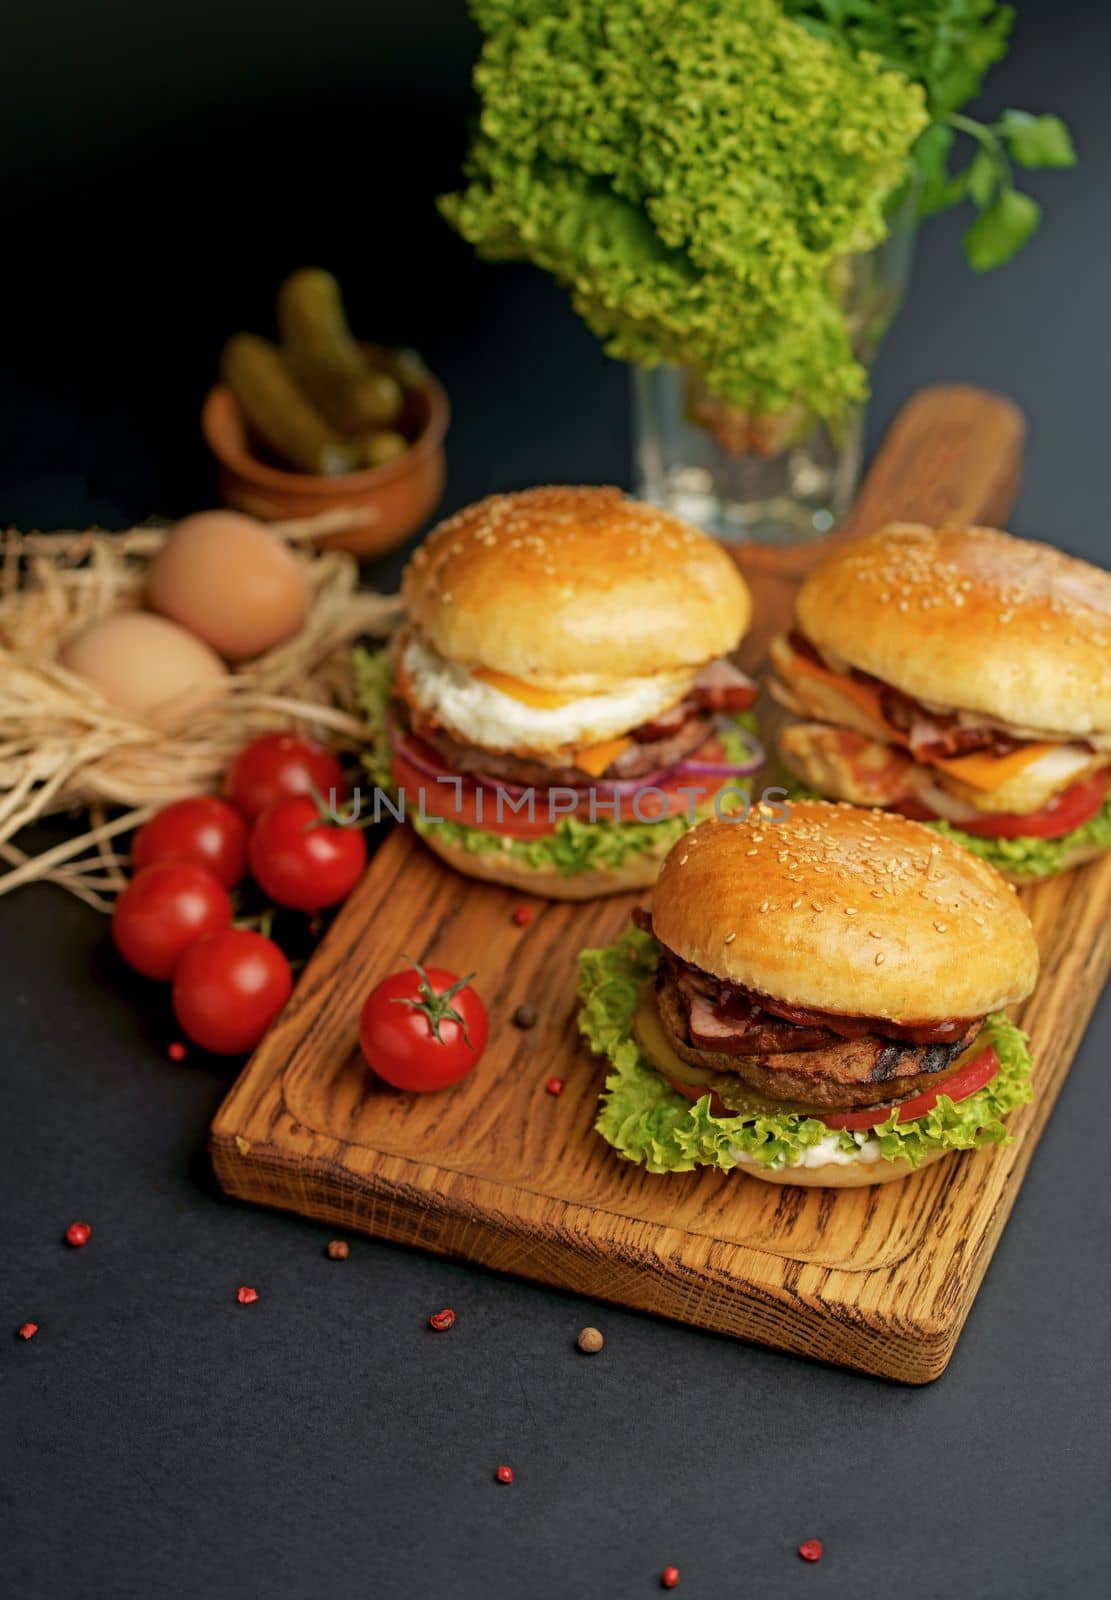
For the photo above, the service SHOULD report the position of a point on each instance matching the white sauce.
(826, 1153)
(480, 714)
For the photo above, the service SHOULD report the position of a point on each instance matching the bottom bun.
(639, 872)
(842, 1175)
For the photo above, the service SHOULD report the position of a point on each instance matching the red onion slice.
(752, 763)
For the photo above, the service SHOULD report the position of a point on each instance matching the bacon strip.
(720, 686)
(733, 1019)
(929, 735)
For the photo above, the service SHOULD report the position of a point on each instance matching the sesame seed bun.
(838, 909)
(574, 587)
(842, 1174)
(970, 619)
(637, 872)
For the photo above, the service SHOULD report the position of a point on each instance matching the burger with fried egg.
(560, 705)
(963, 677)
(814, 1000)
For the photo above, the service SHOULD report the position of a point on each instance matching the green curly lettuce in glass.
(728, 190)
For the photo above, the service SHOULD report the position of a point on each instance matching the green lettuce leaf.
(648, 1122)
(1028, 857)
(373, 681)
(575, 846)
(695, 173)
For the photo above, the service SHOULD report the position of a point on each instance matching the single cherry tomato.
(278, 765)
(164, 909)
(206, 830)
(228, 988)
(423, 1029)
(300, 860)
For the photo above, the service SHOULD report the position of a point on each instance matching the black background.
(161, 167)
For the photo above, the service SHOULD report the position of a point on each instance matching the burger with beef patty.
(816, 1000)
(559, 706)
(963, 677)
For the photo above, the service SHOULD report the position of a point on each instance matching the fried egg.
(478, 713)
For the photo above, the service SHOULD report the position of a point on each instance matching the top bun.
(970, 619)
(837, 909)
(582, 587)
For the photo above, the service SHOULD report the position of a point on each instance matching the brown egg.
(231, 582)
(147, 666)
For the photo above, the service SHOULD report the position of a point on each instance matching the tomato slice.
(462, 800)
(1066, 811)
(972, 1076)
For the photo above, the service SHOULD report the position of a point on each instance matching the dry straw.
(63, 747)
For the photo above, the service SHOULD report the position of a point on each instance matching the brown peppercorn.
(338, 1250)
(526, 1016)
(590, 1341)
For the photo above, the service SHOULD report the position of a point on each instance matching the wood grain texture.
(500, 1172)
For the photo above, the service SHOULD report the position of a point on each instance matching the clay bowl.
(397, 497)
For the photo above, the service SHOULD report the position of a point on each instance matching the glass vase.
(777, 479)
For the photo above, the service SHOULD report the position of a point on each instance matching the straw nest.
(63, 747)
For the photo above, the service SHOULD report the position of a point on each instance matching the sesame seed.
(729, 937)
(942, 927)
(880, 958)
(850, 911)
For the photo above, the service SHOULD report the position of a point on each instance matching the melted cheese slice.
(982, 770)
(527, 693)
(595, 758)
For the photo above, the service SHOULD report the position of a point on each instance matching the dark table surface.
(161, 168)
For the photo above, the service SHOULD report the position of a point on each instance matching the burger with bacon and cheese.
(815, 1000)
(561, 705)
(961, 676)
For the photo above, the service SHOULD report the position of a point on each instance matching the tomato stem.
(437, 1007)
(327, 816)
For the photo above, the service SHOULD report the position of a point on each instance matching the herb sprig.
(947, 46)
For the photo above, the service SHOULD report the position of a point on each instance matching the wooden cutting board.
(500, 1172)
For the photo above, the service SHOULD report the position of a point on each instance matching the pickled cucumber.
(327, 362)
(379, 448)
(279, 412)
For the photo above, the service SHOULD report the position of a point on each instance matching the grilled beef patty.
(642, 757)
(842, 1073)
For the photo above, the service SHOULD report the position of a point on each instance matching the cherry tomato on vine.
(204, 829)
(423, 1029)
(279, 765)
(228, 988)
(164, 909)
(300, 860)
